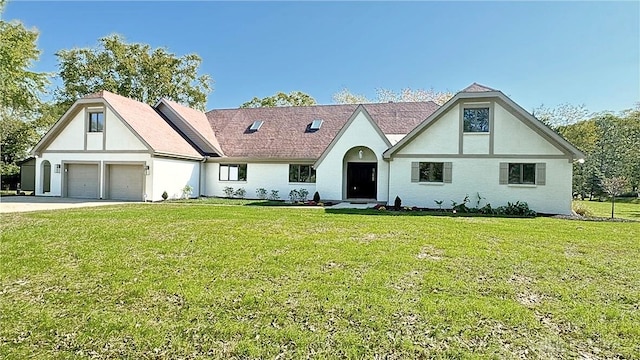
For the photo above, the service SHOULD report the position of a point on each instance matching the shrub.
(187, 190)
(397, 203)
(382, 208)
(261, 193)
(439, 203)
(294, 195)
(228, 191)
(165, 196)
(316, 197)
(518, 208)
(240, 193)
(274, 195)
(581, 210)
(303, 194)
(487, 210)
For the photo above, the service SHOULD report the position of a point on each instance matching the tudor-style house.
(480, 143)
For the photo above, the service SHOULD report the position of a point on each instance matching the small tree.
(614, 186)
(316, 197)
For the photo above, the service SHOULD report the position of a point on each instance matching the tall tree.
(610, 143)
(20, 91)
(383, 95)
(345, 96)
(294, 98)
(561, 115)
(133, 70)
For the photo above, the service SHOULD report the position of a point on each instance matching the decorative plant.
(462, 207)
(316, 197)
(187, 190)
(165, 196)
(479, 198)
(439, 203)
(518, 208)
(274, 195)
(228, 191)
(261, 193)
(303, 194)
(240, 193)
(397, 203)
(294, 195)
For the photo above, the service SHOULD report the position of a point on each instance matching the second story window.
(96, 121)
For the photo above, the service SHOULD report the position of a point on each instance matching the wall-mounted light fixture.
(56, 168)
(146, 170)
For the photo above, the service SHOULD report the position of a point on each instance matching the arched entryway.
(46, 176)
(360, 169)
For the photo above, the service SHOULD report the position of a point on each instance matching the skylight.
(256, 125)
(316, 124)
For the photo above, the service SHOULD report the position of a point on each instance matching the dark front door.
(361, 180)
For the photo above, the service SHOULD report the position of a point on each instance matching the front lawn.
(198, 280)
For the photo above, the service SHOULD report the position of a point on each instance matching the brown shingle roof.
(285, 132)
(150, 126)
(198, 120)
(475, 87)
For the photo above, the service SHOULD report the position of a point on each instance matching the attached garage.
(83, 181)
(125, 182)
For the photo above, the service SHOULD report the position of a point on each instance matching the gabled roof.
(150, 128)
(198, 122)
(523, 115)
(285, 132)
(360, 109)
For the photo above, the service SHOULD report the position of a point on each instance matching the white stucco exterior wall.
(269, 176)
(330, 172)
(441, 137)
(119, 137)
(172, 175)
(512, 136)
(475, 175)
(72, 136)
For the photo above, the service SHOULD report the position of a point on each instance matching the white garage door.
(83, 181)
(125, 182)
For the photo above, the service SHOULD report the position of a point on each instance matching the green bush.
(518, 209)
(165, 196)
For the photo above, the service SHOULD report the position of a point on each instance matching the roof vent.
(316, 124)
(256, 125)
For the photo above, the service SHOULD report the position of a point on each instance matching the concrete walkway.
(10, 204)
(348, 205)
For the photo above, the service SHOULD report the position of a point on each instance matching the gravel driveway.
(35, 203)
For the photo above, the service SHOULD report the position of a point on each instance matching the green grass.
(189, 280)
(624, 209)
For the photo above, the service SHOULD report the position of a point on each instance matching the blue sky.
(535, 52)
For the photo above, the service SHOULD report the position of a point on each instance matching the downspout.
(388, 180)
(203, 177)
